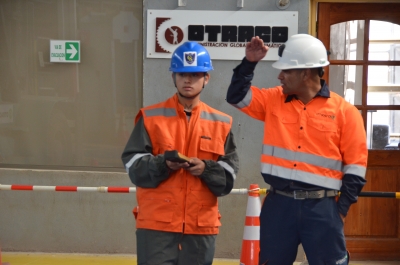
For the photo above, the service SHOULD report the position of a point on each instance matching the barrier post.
(251, 234)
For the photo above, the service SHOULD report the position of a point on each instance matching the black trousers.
(315, 223)
(166, 248)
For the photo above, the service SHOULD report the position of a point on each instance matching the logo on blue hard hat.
(190, 58)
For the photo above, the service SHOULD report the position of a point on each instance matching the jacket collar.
(323, 92)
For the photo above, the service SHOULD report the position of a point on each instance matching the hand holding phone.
(175, 156)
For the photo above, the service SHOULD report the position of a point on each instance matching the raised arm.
(243, 73)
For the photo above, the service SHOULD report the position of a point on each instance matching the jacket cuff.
(162, 167)
(343, 205)
(208, 168)
(248, 67)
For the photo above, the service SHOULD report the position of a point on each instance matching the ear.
(310, 73)
(305, 73)
(174, 78)
(321, 72)
(206, 78)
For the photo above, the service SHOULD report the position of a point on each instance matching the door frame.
(371, 232)
(313, 9)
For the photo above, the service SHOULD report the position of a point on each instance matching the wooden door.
(372, 226)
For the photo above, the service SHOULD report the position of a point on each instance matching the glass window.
(384, 38)
(347, 40)
(383, 130)
(385, 75)
(383, 98)
(383, 126)
(346, 80)
(383, 85)
(68, 114)
(382, 30)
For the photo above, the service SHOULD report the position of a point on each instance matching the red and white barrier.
(95, 189)
(69, 188)
(241, 191)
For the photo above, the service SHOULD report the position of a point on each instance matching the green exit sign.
(65, 51)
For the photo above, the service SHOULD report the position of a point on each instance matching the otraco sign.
(223, 33)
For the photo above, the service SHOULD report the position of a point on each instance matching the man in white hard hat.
(314, 147)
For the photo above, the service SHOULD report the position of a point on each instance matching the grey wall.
(46, 221)
(248, 132)
(103, 222)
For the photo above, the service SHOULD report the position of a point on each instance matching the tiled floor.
(14, 258)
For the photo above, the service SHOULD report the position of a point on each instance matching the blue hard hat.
(190, 57)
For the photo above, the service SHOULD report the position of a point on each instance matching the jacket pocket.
(205, 205)
(288, 118)
(156, 209)
(211, 148)
(280, 126)
(208, 216)
(325, 133)
(322, 125)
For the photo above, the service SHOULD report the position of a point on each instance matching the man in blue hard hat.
(177, 217)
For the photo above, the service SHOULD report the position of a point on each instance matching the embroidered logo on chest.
(328, 116)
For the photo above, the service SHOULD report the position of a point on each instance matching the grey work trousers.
(166, 248)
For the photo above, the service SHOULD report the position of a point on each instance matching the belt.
(302, 194)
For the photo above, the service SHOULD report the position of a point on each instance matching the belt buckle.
(297, 196)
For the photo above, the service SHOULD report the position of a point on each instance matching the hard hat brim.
(284, 66)
(195, 69)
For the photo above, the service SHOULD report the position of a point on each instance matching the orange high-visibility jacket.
(316, 143)
(182, 203)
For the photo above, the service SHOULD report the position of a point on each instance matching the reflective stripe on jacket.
(182, 202)
(316, 143)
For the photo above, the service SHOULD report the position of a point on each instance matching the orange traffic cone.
(251, 235)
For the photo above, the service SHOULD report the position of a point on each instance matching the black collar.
(323, 92)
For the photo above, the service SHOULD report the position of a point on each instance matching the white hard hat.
(301, 51)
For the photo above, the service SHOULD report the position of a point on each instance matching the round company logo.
(173, 35)
(168, 36)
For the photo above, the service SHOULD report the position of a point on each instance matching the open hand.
(343, 217)
(255, 49)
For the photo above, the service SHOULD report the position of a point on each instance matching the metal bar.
(239, 191)
(380, 194)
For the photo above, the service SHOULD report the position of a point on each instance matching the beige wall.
(68, 114)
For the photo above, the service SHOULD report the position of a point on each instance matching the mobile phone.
(175, 156)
